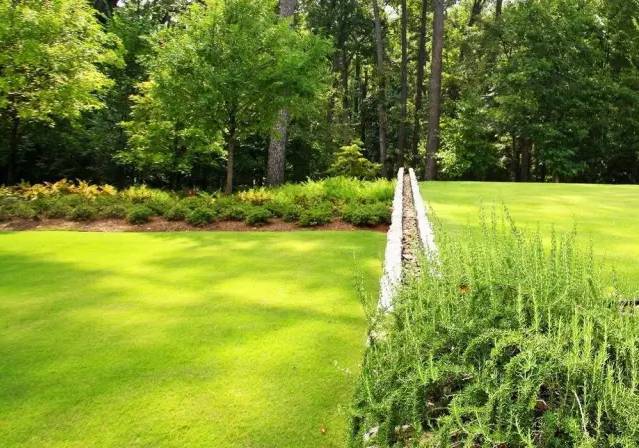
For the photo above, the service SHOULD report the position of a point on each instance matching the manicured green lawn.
(183, 339)
(606, 215)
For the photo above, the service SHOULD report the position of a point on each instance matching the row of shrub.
(313, 203)
(509, 342)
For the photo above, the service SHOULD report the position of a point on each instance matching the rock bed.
(411, 243)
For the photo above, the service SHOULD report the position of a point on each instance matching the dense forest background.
(221, 94)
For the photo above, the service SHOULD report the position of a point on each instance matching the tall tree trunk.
(525, 149)
(514, 160)
(381, 97)
(343, 70)
(401, 135)
(231, 142)
(276, 163)
(498, 8)
(12, 149)
(435, 91)
(419, 80)
(475, 12)
(363, 92)
(277, 150)
(105, 7)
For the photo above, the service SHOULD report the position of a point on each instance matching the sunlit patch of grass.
(181, 339)
(606, 215)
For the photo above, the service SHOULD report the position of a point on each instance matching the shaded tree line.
(228, 93)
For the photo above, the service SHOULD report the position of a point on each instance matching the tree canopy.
(194, 93)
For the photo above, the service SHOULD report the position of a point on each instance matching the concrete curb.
(426, 233)
(392, 274)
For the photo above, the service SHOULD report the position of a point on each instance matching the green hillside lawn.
(181, 340)
(606, 215)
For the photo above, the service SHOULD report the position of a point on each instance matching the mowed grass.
(605, 215)
(183, 339)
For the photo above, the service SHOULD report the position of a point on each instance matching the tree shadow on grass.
(78, 345)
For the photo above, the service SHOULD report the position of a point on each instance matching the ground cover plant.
(312, 203)
(605, 215)
(509, 343)
(181, 339)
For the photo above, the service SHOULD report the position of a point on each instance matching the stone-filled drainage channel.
(411, 244)
(410, 240)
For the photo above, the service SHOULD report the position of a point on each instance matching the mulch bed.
(162, 225)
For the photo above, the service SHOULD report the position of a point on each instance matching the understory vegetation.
(509, 342)
(312, 203)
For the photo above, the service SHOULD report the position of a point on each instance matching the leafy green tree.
(223, 72)
(349, 161)
(52, 56)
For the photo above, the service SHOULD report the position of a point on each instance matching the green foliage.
(244, 65)
(350, 162)
(139, 214)
(200, 216)
(508, 342)
(257, 215)
(83, 212)
(316, 215)
(311, 203)
(288, 211)
(115, 211)
(177, 213)
(58, 210)
(367, 214)
(52, 56)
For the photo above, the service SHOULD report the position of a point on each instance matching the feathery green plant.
(511, 343)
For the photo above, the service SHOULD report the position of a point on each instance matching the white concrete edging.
(426, 233)
(392, 273)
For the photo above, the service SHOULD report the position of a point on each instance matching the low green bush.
(83, 212)
(200, 216)
(139, 214)
(316, 215)
(367, 214)
(115, 211)
(177, 213)
(291, 202)
(22, 210)
(159, 205)
(257, 215)
(193, 202)
(232, 211)
(506, 342)
(5, 214)
(58, 210)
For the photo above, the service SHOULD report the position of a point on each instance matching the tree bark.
(343, 70)
(12, 150)
(277, 150)
(106, 7)
(276, 163)
(514, 160)
(475, 12)
(381, 100)
(525, 149)
(401, 134)
(231, 141)
(435, 90)
(498, 8)
(419, 80)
